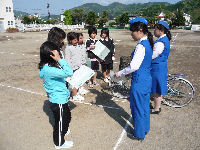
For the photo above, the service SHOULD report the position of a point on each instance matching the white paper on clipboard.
(80, 76)
(100, 50)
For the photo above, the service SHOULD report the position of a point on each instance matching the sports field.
(100, 122)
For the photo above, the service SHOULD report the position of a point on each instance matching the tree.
(91, 18)
(117, 20)
(123, 19)
(78, 16)
(179, 20)
(170, 17)
(112, 24)
(151, 20)
(26, 20)
(195, 16)
(68, 17)
(51, 21)
(103, 19)
(36, 20)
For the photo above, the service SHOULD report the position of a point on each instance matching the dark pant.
(105, 67)
(62, 117)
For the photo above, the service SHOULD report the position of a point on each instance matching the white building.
(7, 19)
(161, 16)
(187, 19)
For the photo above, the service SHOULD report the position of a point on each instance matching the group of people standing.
(148, 67)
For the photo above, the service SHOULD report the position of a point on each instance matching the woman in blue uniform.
(140, 67)
(159, 70)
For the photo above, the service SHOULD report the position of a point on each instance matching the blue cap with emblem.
(138, 19)
(164, 23)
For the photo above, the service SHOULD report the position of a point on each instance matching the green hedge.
(111, 28)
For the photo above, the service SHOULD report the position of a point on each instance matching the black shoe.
(137, 138)
(156, 112)
(151, 106)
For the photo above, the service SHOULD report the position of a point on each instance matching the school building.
(7, 19)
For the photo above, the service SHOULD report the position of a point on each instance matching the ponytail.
(168, 33)
(150, 38)
(139, 25)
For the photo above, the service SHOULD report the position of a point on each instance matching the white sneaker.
(68, 131)
(83, 91)
(67, 144)
(106, 80)
(78, 98)
(90, 85)
(96, 83)
(108, 77)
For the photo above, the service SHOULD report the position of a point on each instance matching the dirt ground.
(99, 122)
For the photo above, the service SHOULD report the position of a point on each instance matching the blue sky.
(57, 6)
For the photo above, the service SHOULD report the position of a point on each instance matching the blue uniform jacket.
(164, 55)
(159, 70)
(141, 79)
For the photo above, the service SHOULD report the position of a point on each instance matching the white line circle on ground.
(122, 134)
(36, 93)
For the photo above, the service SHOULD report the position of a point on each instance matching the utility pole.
(48, 5)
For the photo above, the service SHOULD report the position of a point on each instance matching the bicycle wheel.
(180, 93)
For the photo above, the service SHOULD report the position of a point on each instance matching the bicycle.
(180, 91)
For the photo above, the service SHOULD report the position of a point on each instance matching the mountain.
(52, 17)
(116, 8)
(20, 13)
(150, 9)
(191, 7)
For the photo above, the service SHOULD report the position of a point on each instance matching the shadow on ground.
(49, 113)
(119, 115)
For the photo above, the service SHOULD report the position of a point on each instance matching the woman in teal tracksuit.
(159, 70)
(140, 67)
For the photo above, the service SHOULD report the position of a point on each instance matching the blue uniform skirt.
(159, 75)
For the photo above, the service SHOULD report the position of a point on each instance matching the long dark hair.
(56, 35)
(45, 52)
(166, 31)
(136, 26)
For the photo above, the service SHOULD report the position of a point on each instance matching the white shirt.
(136, 61)
(158, 48)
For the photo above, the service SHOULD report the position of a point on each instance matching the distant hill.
(191, 7)
(52, 17)
(20, 13)
(116, 8)
(150, 9)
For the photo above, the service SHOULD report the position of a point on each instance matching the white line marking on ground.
(36, 93)
(118, 40)
(122, 134)
(173, 41)
(116, 99)
(18, 54)
(20, 89)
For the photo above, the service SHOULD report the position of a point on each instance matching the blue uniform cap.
(138, 19)
(164, 23)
